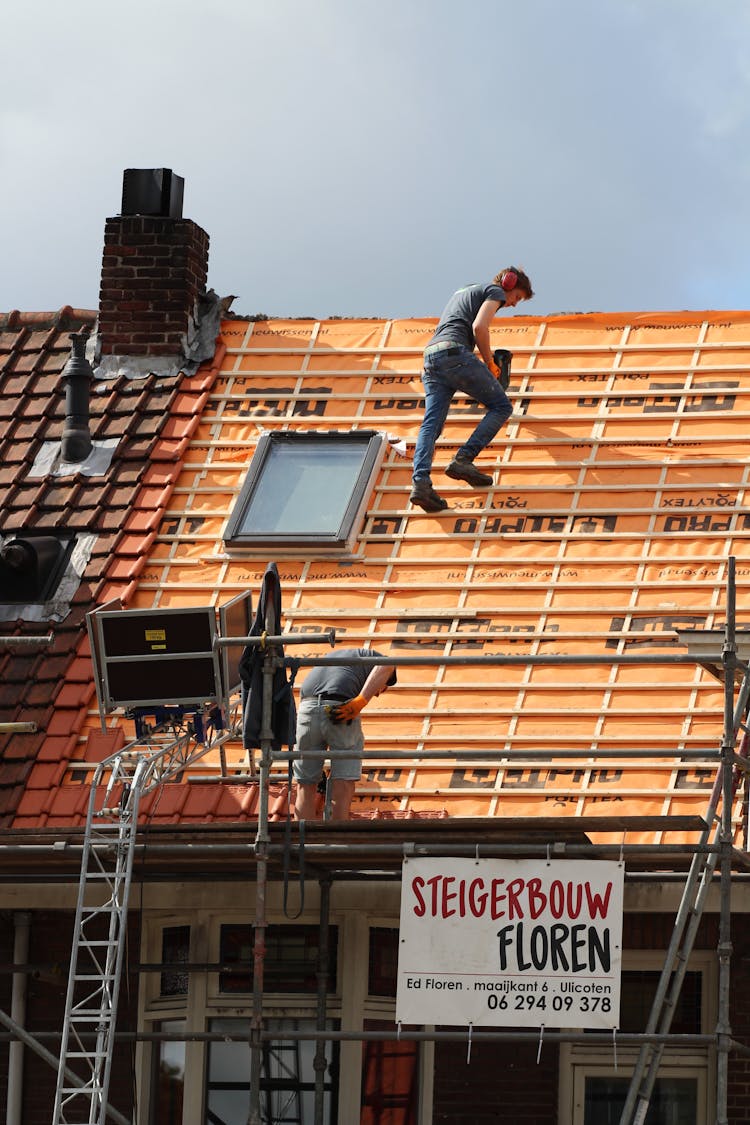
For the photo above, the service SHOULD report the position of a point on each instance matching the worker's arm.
(376, 682)
(481, 329)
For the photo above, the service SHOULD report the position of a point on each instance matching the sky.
(368, 157)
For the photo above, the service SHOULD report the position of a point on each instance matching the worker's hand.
(345, 712)
(494, 370)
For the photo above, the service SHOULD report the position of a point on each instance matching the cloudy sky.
(367, 157)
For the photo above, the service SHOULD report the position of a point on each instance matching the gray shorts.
(318, 738)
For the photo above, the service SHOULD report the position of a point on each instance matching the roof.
(620, 497)
(150, 421)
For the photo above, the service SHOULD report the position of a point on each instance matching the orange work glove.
(345, 712)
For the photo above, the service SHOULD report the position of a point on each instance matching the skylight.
(306, 489)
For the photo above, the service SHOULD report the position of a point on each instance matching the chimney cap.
(152, 191)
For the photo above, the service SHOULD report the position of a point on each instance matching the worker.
(331, 699)
(451, 365)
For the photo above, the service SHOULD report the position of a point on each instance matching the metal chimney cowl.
(152, 191)
(76, 437)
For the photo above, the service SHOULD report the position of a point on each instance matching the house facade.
(156, 454)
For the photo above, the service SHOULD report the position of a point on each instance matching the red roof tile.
(66, 801)
(33, 802)
(34, 349)
(102, 744)
(73, 696)
(45, 775)
(57, 748)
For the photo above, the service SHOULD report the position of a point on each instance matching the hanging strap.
(288, 829)
(287, 859)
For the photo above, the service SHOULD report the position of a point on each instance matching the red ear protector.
(509, 280)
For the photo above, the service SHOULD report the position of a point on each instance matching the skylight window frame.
(342, 540)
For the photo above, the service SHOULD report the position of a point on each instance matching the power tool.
(502, 358)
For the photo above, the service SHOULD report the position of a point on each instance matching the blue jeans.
(443, 375)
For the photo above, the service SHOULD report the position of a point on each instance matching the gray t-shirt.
(346, 680)
(460, 312)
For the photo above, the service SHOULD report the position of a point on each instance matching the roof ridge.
(65, 317)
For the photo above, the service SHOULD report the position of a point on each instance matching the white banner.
(510, 943)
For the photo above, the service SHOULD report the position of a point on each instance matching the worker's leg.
(305, 803)
(346, 743)
(437, 399)
(476, 381)
(342, 793)
(307, 770)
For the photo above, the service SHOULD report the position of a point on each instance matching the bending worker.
(450, 365)
(331, 699)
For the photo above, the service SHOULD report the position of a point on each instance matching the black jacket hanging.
(283, 710)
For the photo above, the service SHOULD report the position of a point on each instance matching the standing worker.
(450, 365)
(331, 699)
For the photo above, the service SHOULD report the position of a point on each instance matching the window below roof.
(306, 490)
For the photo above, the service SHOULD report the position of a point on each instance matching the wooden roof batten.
(717, 650)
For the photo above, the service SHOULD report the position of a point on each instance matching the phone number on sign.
(564, 996)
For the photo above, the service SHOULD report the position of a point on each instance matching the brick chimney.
(154, 269)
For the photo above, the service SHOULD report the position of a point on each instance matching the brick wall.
(153, 271)
(501, 1082)
(51, 938)
(738, 1082)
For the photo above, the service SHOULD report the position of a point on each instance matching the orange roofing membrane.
(620, 495)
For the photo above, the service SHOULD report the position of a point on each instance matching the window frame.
(342, 540)
(695, 1074)
(220, 995)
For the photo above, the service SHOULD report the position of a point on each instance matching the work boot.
(462, 468)
(425, 496)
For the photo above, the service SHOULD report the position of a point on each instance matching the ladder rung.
(90, 1015)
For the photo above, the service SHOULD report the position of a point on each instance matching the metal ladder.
(100, 928)
(697, 886)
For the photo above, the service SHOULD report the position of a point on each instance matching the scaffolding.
(111, 842)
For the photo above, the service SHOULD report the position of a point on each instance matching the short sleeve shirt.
(346, 680)
(459, 314)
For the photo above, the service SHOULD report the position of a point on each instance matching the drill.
(502, 358)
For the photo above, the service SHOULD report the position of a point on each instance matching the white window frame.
(582, 1073)
(205, 1001)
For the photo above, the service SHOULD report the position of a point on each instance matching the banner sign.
(510, 943)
